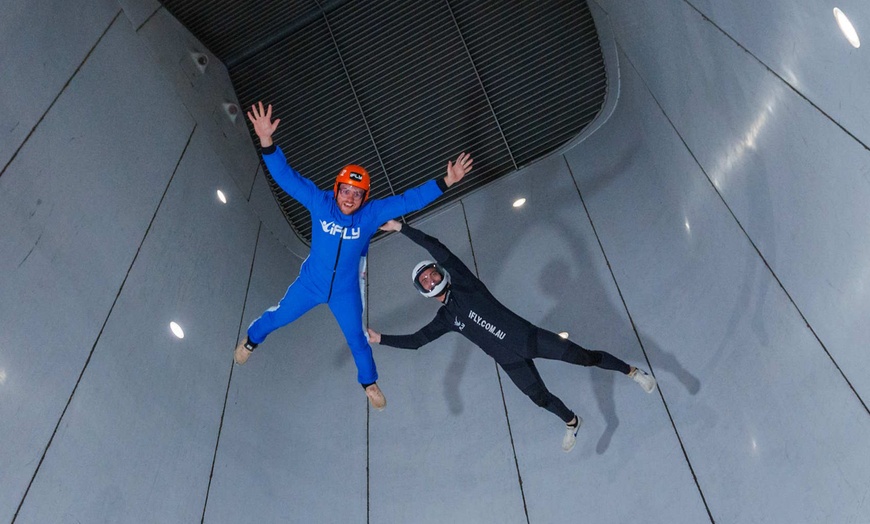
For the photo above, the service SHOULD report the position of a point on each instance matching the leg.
(554, 347)
(347, 309)
(296, 302)
(525, 376)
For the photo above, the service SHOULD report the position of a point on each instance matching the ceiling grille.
(401, 87)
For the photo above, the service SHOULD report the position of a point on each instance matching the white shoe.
(570, 437)
(376, 397)
(646, 381)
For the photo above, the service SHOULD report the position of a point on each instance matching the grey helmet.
(437, 290)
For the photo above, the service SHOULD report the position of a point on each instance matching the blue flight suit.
(330, 273)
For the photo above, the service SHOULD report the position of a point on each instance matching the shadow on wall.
(553, 243)
(730, 159)
(758, 205)
(553, 286)
(564, 261)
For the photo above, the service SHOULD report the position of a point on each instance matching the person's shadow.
(555, 244)
(554, 279)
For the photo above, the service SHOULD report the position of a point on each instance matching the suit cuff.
(268, 150)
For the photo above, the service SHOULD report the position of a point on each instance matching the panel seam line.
(639, 341)
(751, 242)
(777, 75)
(498, 376)
(100, 334)
(149, 18)
(61, 92)
(232, 367)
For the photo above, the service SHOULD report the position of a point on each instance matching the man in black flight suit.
(470, 309)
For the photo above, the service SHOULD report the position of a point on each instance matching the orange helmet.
(356, 176)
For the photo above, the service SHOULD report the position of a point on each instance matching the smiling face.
(349, 198)
(429, 278)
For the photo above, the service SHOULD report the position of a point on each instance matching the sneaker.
(376, 397)
(646, 381)
(243, 351)
(570, 437)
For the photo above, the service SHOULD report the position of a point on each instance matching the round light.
(563, 334)
(176, 330)
(847, 28)
(518, 202)
(221, 196)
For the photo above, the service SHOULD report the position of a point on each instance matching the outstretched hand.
(374, 336)
(392, 225)
(262, 122)
(456, 171)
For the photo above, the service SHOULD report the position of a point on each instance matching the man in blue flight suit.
(343, 222)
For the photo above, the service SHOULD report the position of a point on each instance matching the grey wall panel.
(542, 260)
(293, 444)
(43, 44)
(74, 207)
(138, 439)
(204, 94)
(695, 286)
(772, 429)
(794, 180)
(442, 445)
(138, 11)
(802, 44)
(264, 204)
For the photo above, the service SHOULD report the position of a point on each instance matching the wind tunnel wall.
(711, 230)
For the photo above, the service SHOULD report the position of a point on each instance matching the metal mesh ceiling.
(401, 87)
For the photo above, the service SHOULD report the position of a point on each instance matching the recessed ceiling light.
(221, 196)
(518, 202)
(563, 334)
(847, 28)
(176, 330)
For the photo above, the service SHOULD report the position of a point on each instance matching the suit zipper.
(335, 267)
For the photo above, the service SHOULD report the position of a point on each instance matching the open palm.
(261, 119)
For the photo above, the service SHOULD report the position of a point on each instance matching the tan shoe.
(376, 397)
(243, 351)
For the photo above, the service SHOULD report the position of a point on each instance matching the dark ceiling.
(400, 87)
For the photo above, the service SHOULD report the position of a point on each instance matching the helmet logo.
(356, 176)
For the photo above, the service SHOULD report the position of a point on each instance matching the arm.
(426, 334)
(421, 196)
(439, 251)
(431, 244)
(294, 184)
